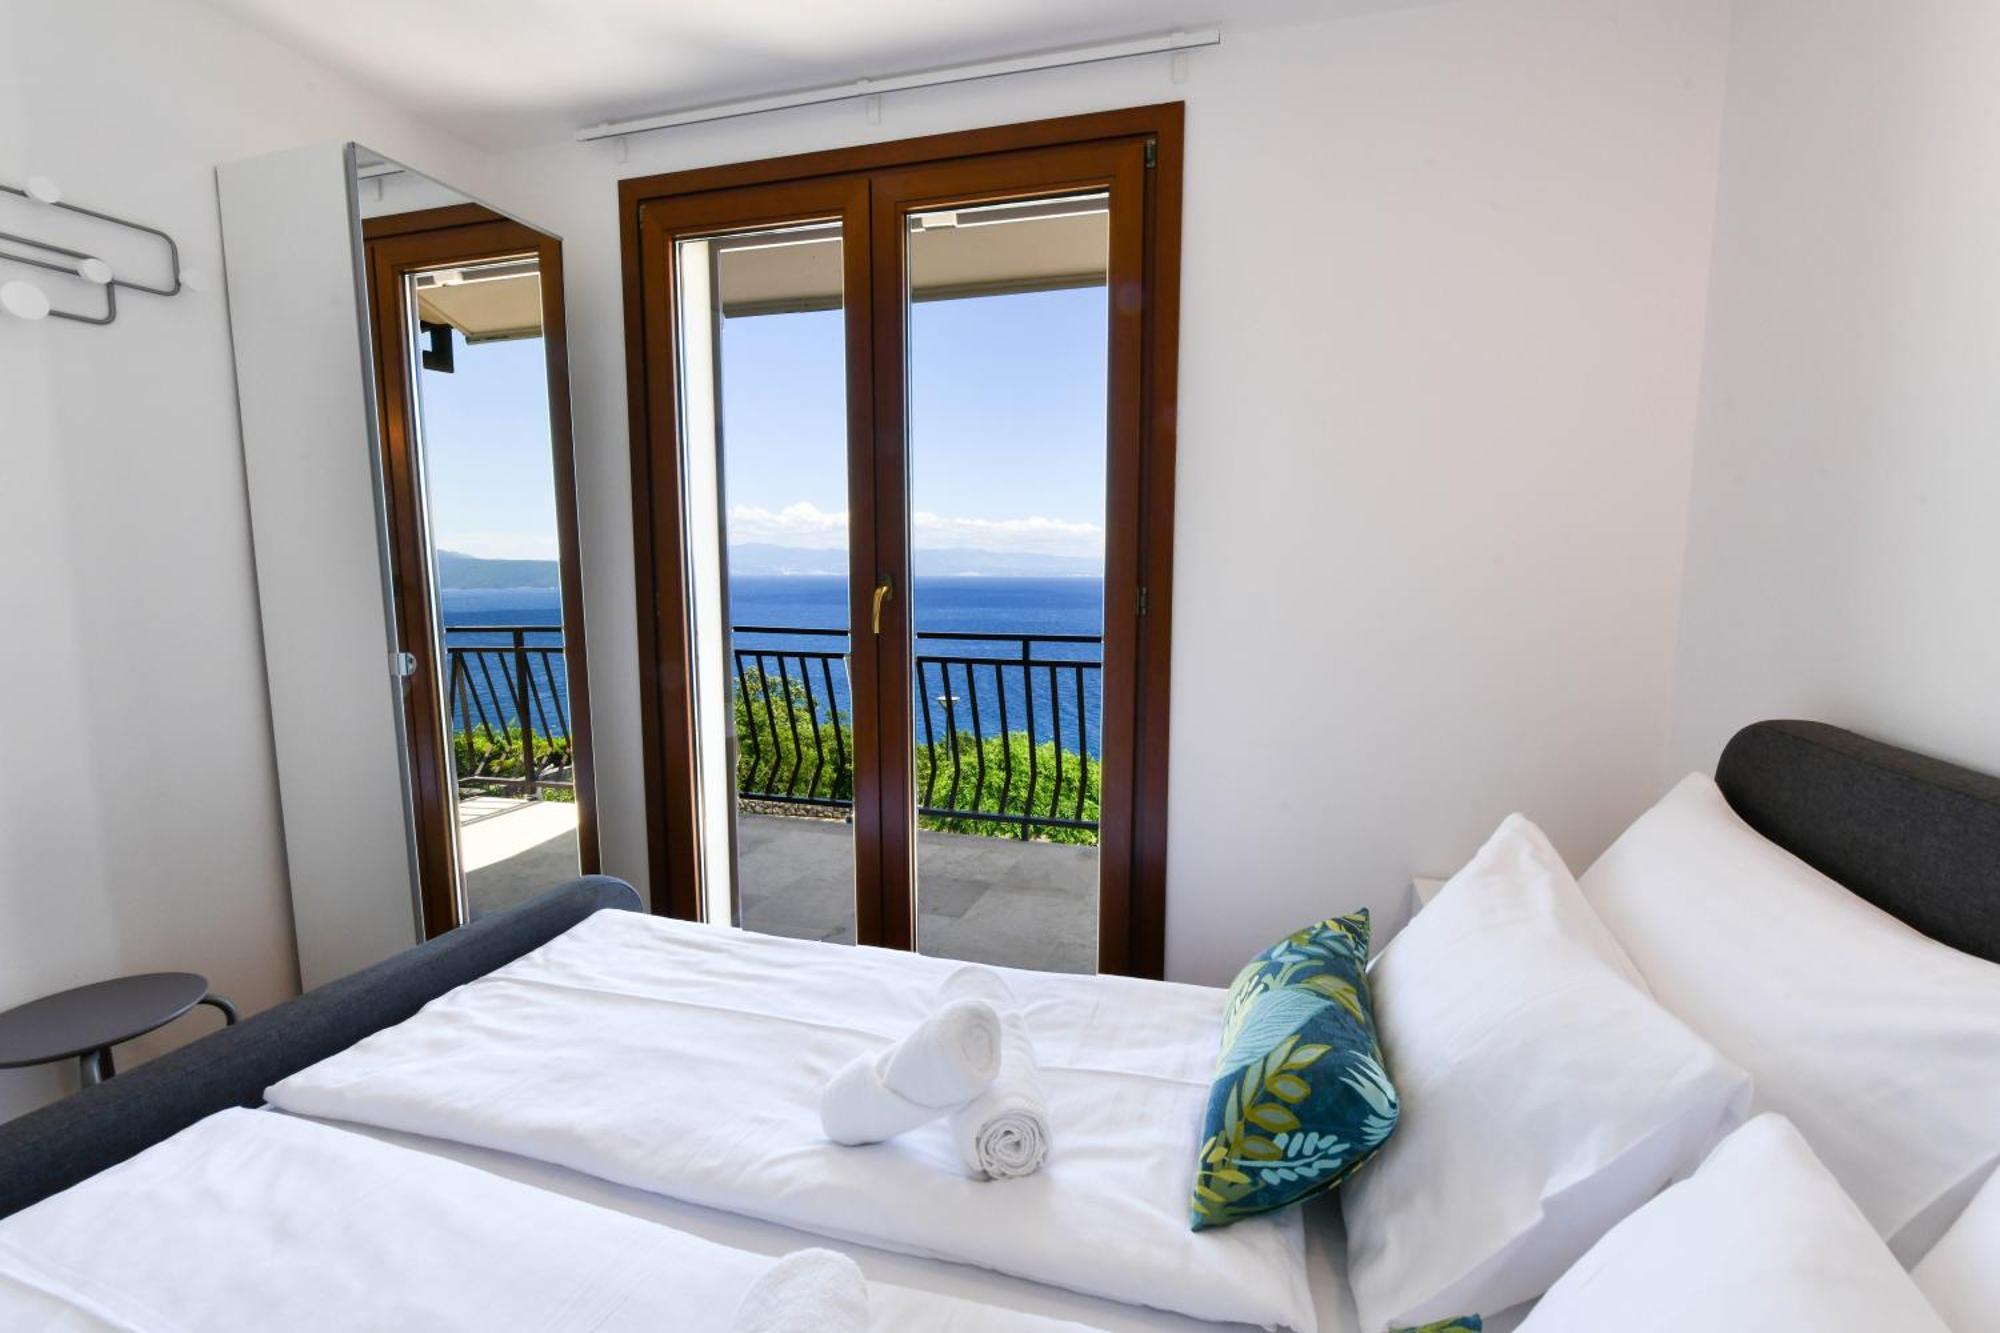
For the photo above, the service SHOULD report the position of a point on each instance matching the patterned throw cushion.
(1301, 1097)
(1465, 1323)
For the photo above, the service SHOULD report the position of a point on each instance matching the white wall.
(138, 813)
(1844, 554)
(1444, 273)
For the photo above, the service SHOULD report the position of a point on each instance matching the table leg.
(95, 1066)
(222, 1003)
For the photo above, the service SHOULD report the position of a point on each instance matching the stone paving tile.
(988, 900)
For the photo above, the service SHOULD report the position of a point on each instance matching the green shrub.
(478, 754)
(771, 712)
(1002, 789)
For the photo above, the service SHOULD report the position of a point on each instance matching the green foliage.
(778, 744)
(478, 754)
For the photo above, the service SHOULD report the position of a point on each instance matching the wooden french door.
(1121, 170)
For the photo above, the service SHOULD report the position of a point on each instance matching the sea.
(1062, 690)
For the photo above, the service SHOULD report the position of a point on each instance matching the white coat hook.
(871, 108)
(24, 300)
(621, 148)
(1177, 67)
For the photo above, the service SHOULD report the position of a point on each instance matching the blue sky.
(486, 443)
(1007, 426)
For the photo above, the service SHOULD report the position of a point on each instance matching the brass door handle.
(883, 591)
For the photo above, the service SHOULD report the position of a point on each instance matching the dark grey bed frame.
(1917, 837)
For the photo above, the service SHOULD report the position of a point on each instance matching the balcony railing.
(509, 696)
(1006, 727)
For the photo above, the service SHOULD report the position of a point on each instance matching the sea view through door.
(905, 418)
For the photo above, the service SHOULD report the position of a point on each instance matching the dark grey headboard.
(53, 1148)
(1916, 836)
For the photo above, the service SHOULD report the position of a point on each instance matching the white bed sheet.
(1325, 1248)
(688, 1060)
(251, 1220)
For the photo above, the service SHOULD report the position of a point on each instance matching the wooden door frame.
(673, 833)
(1115, 166)
(394, 245)
(1138, 944)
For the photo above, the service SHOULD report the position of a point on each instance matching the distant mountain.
(458, 571)
(766, 558)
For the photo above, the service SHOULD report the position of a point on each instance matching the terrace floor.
(510, 850)
(988, 900)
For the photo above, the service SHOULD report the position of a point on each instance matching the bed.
(1915, 837)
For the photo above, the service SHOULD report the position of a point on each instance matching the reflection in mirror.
(465, 317)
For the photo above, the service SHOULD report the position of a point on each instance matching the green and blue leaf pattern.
(1281, 1014)
(1301, 1095)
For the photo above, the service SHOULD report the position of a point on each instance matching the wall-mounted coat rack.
(28, 300)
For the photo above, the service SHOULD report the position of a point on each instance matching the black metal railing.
(772, 753)
(1005, 725)
(508, 690)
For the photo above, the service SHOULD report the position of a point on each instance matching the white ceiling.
(505, 73)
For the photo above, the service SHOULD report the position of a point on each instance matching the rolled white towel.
(1004, 1131)
(807, 1291)
(951, 1058)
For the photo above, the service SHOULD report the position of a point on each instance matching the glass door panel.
(1007, 328)
(763, 413)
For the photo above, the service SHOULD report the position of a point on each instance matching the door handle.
(884, 590)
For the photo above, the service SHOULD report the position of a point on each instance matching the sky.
(1007, 430)
(486, 445)
(1007, 425)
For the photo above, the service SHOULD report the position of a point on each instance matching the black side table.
(88, 1021)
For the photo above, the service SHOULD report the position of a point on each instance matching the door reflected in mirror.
(465, 316)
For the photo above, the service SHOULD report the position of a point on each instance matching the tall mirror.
(466, 331)
(404, 396)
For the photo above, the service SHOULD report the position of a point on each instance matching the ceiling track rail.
(1164, 44)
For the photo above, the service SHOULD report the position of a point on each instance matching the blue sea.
(1065, 702)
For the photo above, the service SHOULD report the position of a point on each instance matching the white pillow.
(1544, 1094)
(1961, 1275)
(1760, 1238)
(1882, 1045)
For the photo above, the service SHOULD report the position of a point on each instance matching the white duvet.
(688, 1060)
(253, 1220)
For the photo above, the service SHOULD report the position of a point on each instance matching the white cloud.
(802, 524)
(805, 524)
(1041, 536)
